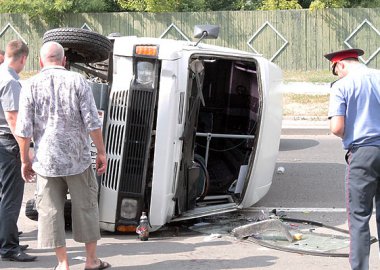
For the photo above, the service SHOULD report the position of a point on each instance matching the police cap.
(337, 56)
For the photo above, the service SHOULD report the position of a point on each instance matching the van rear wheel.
(30, 210)
(81, 45)
(32, 213)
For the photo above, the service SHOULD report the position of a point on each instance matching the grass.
(318, 76)
(305, 105)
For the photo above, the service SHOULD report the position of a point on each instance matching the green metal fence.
(293, 39)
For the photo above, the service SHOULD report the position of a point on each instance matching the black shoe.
(18, 257)
(23, 247)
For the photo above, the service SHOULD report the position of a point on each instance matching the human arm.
(27, 172)
(101, 158)
(11, 118)
(92, 123)
(337, 125)
(23, 136)
(26, 165)
(337, 109)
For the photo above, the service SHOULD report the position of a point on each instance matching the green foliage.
(216, 5)
(132, 5)
(187, 5)
(162, 5)
(365, 3)
(280, 4)
(246, 4)
(52, 11)
(321, 4)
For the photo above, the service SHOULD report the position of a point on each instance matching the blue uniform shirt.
(10, 89)
(357, 98)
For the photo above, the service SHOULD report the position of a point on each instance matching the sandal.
(102, 265)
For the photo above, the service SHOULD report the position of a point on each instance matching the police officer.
(354, 114)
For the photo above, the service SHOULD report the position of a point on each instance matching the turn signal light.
(146, 50)
(126, 228)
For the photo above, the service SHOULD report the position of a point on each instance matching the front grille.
(137, 140)
(114, 137)
(128, 137)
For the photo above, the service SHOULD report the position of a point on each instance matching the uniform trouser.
(12, 190)
(362, 186)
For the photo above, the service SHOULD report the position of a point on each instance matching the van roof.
(169, 48)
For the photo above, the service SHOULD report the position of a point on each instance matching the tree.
(162, 5)
(251, 4)
(132, 5)
(217, 5)
(365, 3)
(52, 11)
(280, 4)
(321, 4)
(187, 5)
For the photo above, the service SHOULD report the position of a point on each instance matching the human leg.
(83, 190)
(85, 214)
(361, 185)
(51, 196)
(12, 189)
(377, 201)
(63, 262)
(92, 261)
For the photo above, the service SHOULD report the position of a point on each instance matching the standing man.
(2, 53)
(58, 110)
(354, 115)
(11, 183)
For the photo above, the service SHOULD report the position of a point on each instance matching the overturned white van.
(190, 129)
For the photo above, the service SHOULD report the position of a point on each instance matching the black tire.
(30, 210)
(32, 213)
(81, 45)
(67, 214)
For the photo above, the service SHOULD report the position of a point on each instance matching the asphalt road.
(310, 187)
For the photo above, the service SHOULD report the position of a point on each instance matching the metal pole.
(209, 136)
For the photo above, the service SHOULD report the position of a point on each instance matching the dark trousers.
(362, 186)
(12, 190)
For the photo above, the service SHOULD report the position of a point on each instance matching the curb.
(305, 131)
(305, 127)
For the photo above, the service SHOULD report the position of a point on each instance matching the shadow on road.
(297, 144)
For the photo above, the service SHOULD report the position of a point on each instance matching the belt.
(8, 136)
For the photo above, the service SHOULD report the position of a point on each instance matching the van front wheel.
(32, 213)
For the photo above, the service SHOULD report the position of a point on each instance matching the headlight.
(145, 72)
(128, 208)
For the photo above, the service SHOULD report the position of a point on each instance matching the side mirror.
(206, 31)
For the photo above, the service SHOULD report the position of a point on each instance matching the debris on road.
(260, 227)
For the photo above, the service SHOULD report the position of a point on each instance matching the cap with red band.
(335, 57)
(344, 54)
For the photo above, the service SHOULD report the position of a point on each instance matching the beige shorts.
(50, 202)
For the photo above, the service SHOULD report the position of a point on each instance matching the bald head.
(52, 53)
